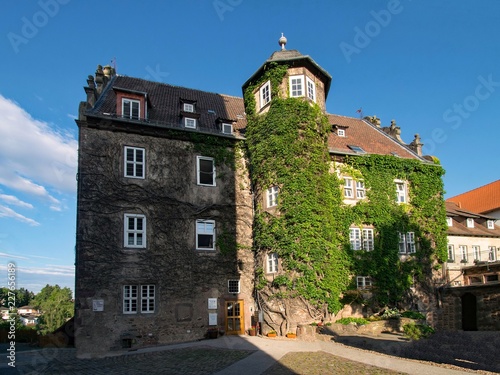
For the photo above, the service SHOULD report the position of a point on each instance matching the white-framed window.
(135, 231)
(401, 193)
(227, 128)
(190, 122)
(341, 132)
(272, 196)
(363, 282)
(490, 224)
(492, 253)
(355, 238)
(147, 298)
(470, 222)
(476, 251)
(360, 190)
(451, 253)
(188, 107)
(463, 253)
(205, 234)
(131, 108)
(348, 188)
(361, 239)
(407, 243)
(132, 299)
(449, 221)
(205, 171)
(368, 242)
(265, 94)
(296, 86)
(311, 89)
(233, 286)
(272, 263)
(134, 162)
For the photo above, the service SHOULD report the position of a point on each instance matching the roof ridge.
(175, 86)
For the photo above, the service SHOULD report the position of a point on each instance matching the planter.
(291, 335)
(270, 334)
(212, 334)
(252, 332)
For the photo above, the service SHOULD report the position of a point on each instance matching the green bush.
(391, 314)
(346, 321)
(417, 331)
(413, 315)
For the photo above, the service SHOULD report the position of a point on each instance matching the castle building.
(178, 190)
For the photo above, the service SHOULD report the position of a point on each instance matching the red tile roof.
(371, 139)
(483, 199)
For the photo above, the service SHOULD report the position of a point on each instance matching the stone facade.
(171, 201)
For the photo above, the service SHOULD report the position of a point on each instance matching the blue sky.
(433, 66)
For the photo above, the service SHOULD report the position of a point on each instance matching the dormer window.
(470, 222)
(190, 123)
(265, 94)
(311, 89)
(341, 132)
(188, 107)
(131, 108)
(296, 86)
(227, 128)
(449, 221)
(490, 224)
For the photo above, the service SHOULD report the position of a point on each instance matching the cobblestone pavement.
(228, 355)
(198, 360)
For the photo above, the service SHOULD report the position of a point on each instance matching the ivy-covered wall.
(287, 147)
(424, 215)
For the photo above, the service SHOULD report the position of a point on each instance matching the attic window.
(341, 132)
(357, 149)
(449, 221)
(491, 224)
(227, 128)
(470, 222)
(190, 122)
(188, 107)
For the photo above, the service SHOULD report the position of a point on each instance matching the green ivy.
(287, 147)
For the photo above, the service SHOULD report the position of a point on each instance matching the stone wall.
(184, 278)
(487, 307)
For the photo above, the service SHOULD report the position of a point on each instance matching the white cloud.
(5, 255)
(9, 212)
(35, 157)
(14, 201)
(67, 271)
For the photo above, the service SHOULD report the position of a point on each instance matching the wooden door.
(235, 322)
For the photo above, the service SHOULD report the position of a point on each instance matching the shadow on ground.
(471, 350)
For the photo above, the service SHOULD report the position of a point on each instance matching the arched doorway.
(469, 312)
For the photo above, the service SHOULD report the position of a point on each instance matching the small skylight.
(357, 149)
(211, 112)
(393, 153)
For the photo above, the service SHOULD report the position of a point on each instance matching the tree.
(23, 297)
(56, 305)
